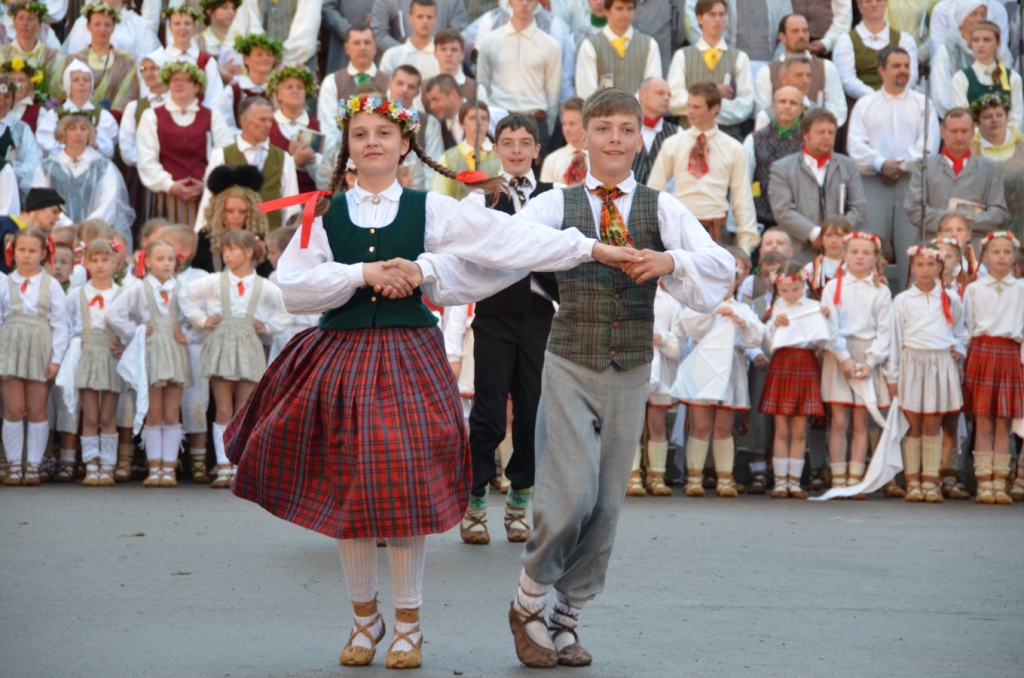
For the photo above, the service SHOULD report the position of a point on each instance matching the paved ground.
(193, 582)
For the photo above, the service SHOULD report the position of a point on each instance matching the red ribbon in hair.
(140, 264)
(945, 307)
(839, 285)
(472, 176)
(309, 200)
(51, 248)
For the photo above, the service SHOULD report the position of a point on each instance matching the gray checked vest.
(604, 318)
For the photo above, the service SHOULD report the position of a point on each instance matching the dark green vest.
(6, 144)
(604, 317)
(975, 90)
(141, 107)
(273, 169)
(866, 59)
(352, 245)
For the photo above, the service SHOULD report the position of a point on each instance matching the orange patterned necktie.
(698, 163)
(613, 228)
(577, 171)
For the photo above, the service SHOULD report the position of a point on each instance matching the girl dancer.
(928, 338)
(154, 303)
(792, 390)
(861, 306)
(237, 306)
(361, 472)
(716, 418)
(993, 378)
(33, 338)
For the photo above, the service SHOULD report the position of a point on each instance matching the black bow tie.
(518, 185)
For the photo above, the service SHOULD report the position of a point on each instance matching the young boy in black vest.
(595, 380)
(510, 332)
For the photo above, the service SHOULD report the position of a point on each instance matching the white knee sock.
(14, 441)
(171, 443)
(152, 440)
(38, 437)
(359, 560)
(532, 598)
(781, 468)
(657, 454)
(90, 448)
(67, 456)
(408, 556)
(796, 468)
(566, 612)
(218, 445)
(636, 460)
(108, 449)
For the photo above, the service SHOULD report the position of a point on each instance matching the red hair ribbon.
(9, 253)
(309, 200)
(97, 300)
(51, 248)
(946, 310)
(839, 286)
(140, 264)
(472, 176)
(116, 246)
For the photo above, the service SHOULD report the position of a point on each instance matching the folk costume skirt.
(356, 434)
(26, 347)
(994, 378)
(97, 368)
(793, 385)
(835, 388)
(929, 382)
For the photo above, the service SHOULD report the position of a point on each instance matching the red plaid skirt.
(356, 434)
(993, 378)
(793, 384)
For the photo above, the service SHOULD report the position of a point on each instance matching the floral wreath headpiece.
(101, 8)
(92, 116)
(990, 100)
(37, 8)
(245, 43)
(291, 71)
(931, 252)
(799, 276)
(408, 120)
(1001, 234)
(183, 10)
(861, 235)
(194, 72)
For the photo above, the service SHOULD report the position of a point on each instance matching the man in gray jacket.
(389, 20)
(809, 186)
(338, 16)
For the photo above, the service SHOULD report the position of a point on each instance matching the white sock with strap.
(532, 598)
(359, 560)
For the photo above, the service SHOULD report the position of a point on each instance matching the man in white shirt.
(886, 137)
(856, 53)
(708, 167)
(618, 56)
(256, 117)
(418, 50)
(520, 68)
(392, 24)
(654, 97)
(443, 98)
(711, 59)
(361, 49)
(827, 19)
(826, 89)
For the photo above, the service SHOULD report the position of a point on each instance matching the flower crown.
(210, 5)
(101, 8)
(1001, 234)
(861, 235)
(990, 100)
(245, 43)
(183, 10)
(194, 72)
(92, 116)
(408, 120)
(284, 72)
(799, 276)
(931, 252)
(37, 8)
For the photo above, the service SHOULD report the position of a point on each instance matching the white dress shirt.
(104, 199)
(586, 63)
(57, 311)
(151, 172)
(833, 96)
(409, 54)
(467, 248)
(106, 130)
(327, 100)
(99, 316)
(132, 35)
(985, 73)
(557, 163)
(845, 60)
(201, 299)
(887, 126)
(255, 155)
(708, 196)
(919, 323)
(733, 111)
(521, 70)
(131, 308)
(300, 45)
(650, 133)
(129, 128)
(864, 312)
(995, 308)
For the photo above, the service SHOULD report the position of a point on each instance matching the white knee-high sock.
(14, 442)
(108, 449)
(566, 612)
(218, 445)
(90, 448)
(636, 460)
(359, 560)
(38, 437)
(796, 468)
(532, 598)
(408, 556)
(170, 443)
(657, 455)
(152, 440)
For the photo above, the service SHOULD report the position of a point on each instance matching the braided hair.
(337, 185)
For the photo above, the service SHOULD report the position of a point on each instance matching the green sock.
(520, 498)
(478, 503)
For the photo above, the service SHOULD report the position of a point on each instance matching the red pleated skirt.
(994, 378)
(793, 384)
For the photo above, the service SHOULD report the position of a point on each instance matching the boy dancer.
(596, 372)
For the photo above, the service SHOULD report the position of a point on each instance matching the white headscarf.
(158, 57)
(964, 9)
(76, 65)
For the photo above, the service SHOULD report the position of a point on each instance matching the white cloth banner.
(806, 327)
(865, 388)
(886, 462)
(706, 372)
(66, 375)
(655, 371)
(132, 368)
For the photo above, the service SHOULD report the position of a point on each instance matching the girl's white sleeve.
(310, 280)
(120, 319)
(837, 342)
(59, 322)
(455, 332)
(960, 337)
(271, 310)
(697, 324)
(191, 299)
(752, 335)
(892, 368)
(74, 316)
(670, 347)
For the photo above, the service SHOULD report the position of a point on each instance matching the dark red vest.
(240, 94)
(306, 183)
(183, 149)
(31, 116)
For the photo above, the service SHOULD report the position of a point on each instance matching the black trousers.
(509, 355)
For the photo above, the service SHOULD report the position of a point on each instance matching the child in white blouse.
(928, 338)
(826, 265)
(239, 307)
(861, 307)
(993, 377)
(33, 338)
(967, 267)
(96, 379)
